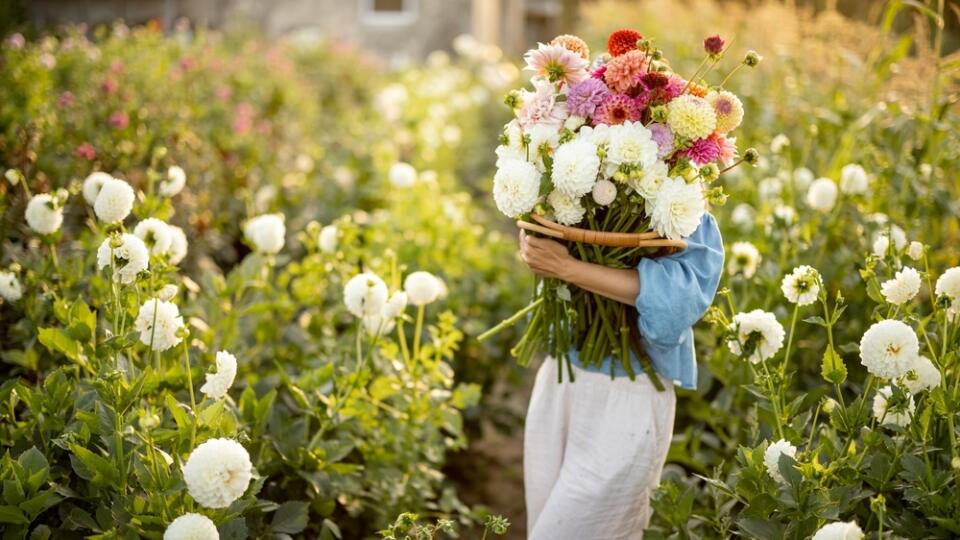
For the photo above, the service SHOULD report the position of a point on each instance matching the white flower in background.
(402, 175)
(770, 188)
(915, 250)
(217, 384)
(421, 287)
(390, 101)
(785, 213)
(218, 472)
(567, 210)
(648, 184)
(801, 286)
(443, 292)
(155, 234)
(575, 167)
(948, 284)
(853, 179)
(691, 117)
(159, 323)
(630, 144)
(802, 178)
(168, 292)
(923, 375)
(114, 202)
(771, 457)
(327, 239)
(743, 216)
(822, 195)
(378, 325)
(604, 192)
(888, 413)
(44, 213)
(365, 294)
(266, 233)
(757, 329)
(678, 208)
(395, 305)
(903, 287)
(10, 288)
(744, 259)
(881, 241)
(778, 143)
(889, 348)
(127, 260)
(516, 187)
(178, 244)
(839, 530)
(175, 182)
(92, 184)
(191, 527)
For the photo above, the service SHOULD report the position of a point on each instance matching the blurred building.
(397, 29)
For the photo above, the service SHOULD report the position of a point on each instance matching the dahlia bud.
(829, 405)
(512, 99)
(878, 504)
(751, 156)
(752, 58)
(643, 44)
(658, 114)
(14, 176)
(955, 463)
(656, 54)
(116, 241)
(716, 196)
(713, 45)
(710, 172)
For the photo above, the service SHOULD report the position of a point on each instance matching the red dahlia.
(623, 41)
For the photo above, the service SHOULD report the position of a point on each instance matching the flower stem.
(418, 331)
(193, 399)
(506, 323)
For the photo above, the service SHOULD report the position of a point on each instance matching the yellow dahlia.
(691, 117)
(728, 109)
(573, 44)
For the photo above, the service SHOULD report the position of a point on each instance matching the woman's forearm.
(620, 284)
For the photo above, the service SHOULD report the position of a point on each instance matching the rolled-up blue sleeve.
(676, 290)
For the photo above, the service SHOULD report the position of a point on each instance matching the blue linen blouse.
(675, 291)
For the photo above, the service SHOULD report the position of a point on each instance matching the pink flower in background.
(584, 97)
(617, 109)
(187, 63)
(86, 151)
(66, 99)
(119, 119)
(243, 119)
(703, 151)
(109, 85)
(116, 67)
(264, 127)
(713, 45)
(16, 41)
(663, 136)
(223, 92)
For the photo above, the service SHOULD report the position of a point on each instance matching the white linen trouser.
(593, 451)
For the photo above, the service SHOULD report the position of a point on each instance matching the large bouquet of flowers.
(624, 149)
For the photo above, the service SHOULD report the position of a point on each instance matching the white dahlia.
(178, 244)
(218, 472)
(396, 304)
(191, 527)
(604, 192)
(422, 288)
(923, 375)
(155, 234)
(266, 233)
(648, 184)
(44, 213)
(756, 332)
(915, 250)
(402, 175)
(159, 322)
(567, 210)
(575, 167)
(822, 195)
(881, 241)
(678, 208)
(744, 259)
(114, 202)
(92, 184)
(128, 259)
(217, 384)
(839, 530)
(630, 144)
(743, 216)
(853, 179)
(365, 294)
(378, 325)
(802, 177)
(888, 349)
(903, 287)
(771, 457)
(168, 292)
(948, 284)
(516, 187)
(801, 286)
(174, 183)
(10, 288)
(897, 414)
(691, 117)
(779, 142)
(327, 239)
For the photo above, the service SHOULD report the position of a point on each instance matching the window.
(389, 12)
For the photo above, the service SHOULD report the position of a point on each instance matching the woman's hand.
(547, 258)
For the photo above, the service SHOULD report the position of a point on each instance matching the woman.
(594, 448)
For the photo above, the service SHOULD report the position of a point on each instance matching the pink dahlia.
(663, 136)
(584, 97)
(556, 63)
(702, 151)
(623, 71)
(617, 109)
(599, 72)
(541, 106)
(727, 147)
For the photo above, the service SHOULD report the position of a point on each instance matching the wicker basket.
(573, 234)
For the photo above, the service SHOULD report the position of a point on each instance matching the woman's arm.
(549, 258)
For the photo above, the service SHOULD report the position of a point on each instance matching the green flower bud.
(512, 99)
(829, 404)
(751, 156)
(658, 113)
(752, 58)
(710, 172)
(716, 196)
(657, 54)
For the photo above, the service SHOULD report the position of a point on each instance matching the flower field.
(241, 284)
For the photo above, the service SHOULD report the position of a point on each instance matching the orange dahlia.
(698, 90)
(573, 44)
(623, 41)
(623, 72)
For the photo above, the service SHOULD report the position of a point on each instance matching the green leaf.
(832, 367)
(291, 517)
(57, 340)
(761, 529)
(12, 514)
(102, 470)
(34, 462)
(383, 387)
(235, 529)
